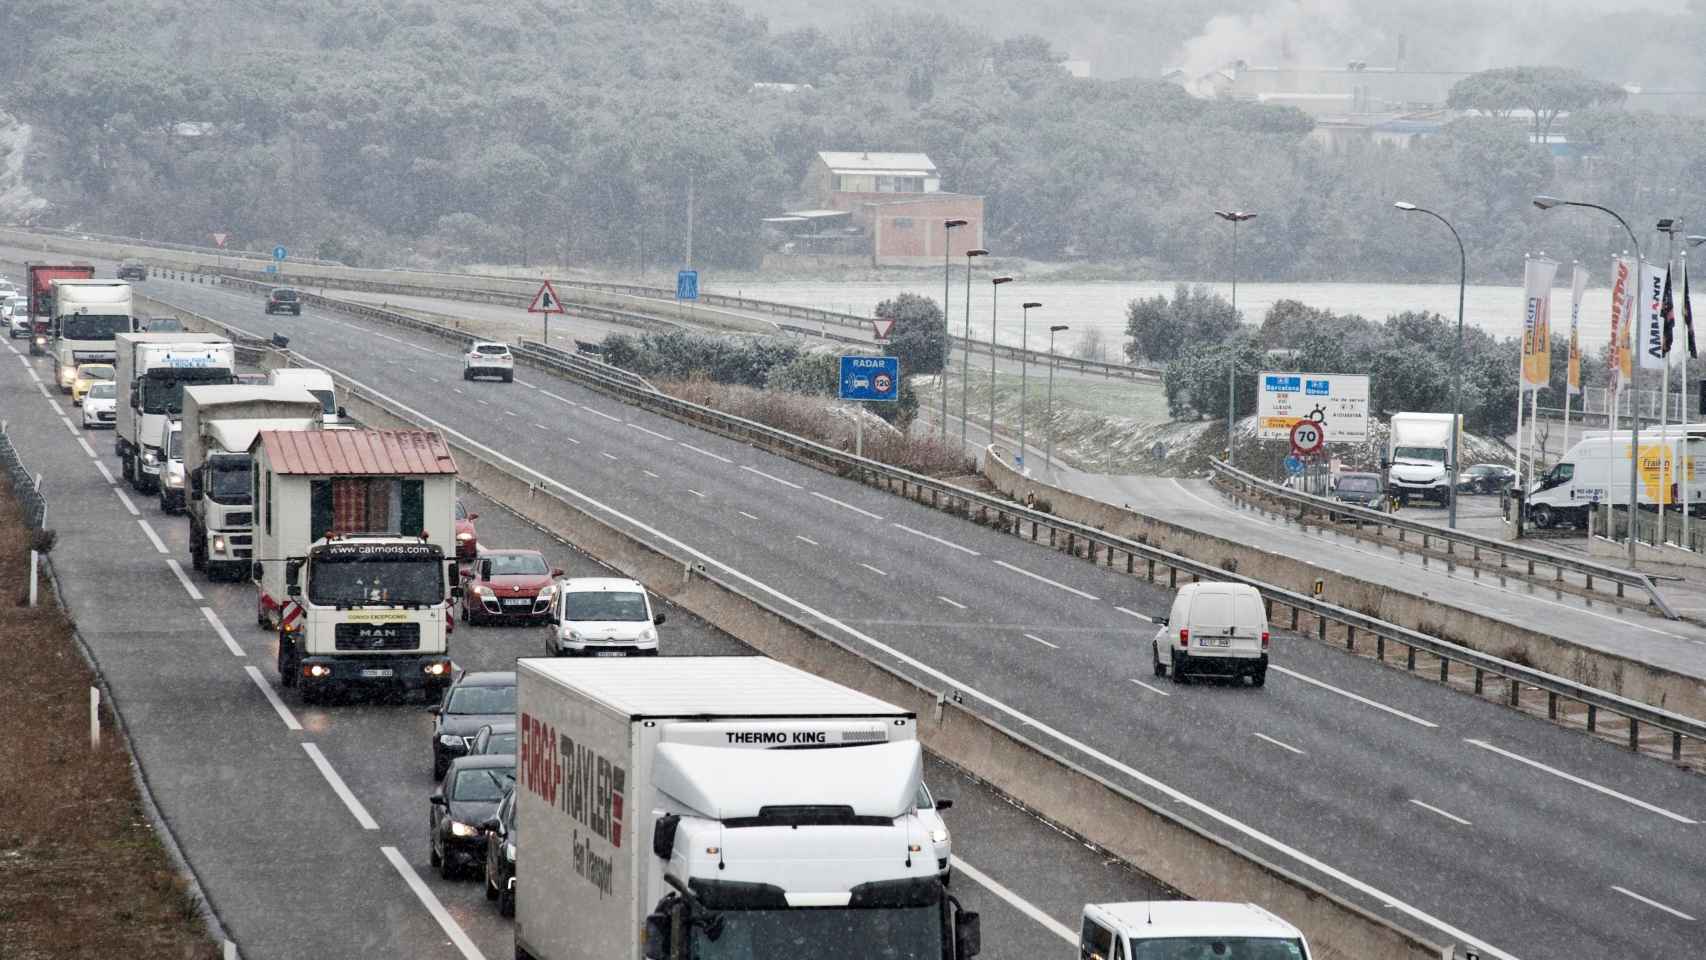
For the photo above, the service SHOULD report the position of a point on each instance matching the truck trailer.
(708, 807)
(152, 371)
(86, 316)
(40, 304)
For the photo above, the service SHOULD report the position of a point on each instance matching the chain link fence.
(24, 484)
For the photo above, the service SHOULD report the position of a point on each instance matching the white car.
(485, 359)
(100, 405)
(17, 315)
(930, 811)
(1187, 928)
(1215, 628)
(602, 617)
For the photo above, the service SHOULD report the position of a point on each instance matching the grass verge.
(82, 873)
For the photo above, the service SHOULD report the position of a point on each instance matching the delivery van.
(1214, 629)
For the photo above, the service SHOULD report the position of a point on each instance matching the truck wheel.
(1541, 515)
(506, 902)
(287, 669)
(198, 552)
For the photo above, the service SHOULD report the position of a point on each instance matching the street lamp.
(948, 228)
(1048, 414)
(1547, 203)
(994, 291)
(1234, 217)
(1457, 361)
(965, 347)
(1024, 346)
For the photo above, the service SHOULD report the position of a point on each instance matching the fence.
(1613, 524)
(25, 486)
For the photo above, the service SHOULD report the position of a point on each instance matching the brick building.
(885, 209)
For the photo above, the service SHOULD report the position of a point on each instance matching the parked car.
(500, 856)
(509, 586)
(283, 300)
(473, 701)
(469, 796)
(1362, 489)
(88, 374)
(1215, 628)
(100, 406)
(930, 811)
(1485, 478)
(602, 617)
(488, 360)
(467, 539)
(132, 269)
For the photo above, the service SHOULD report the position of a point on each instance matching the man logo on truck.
(573, 778)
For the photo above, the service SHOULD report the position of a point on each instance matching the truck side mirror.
(293, 590)
(343, 414)
(135, 398)
(292, 571)
(663, 835)
(1161, 621)
(255, 571)
(657, 936)
(195, 485)
(456, 592)
(943, 805)
(968, 935)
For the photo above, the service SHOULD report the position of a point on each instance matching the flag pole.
(1664, 384)
(1684, 469)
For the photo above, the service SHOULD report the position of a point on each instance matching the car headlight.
(484, 592)
(41, 341)
(939, 836)
(150, 458)
(460, 829)
(509, 851)
(175, 478)
(648, 634)
(575, 635)
(450, 740)
(464, 536)
(547, 591)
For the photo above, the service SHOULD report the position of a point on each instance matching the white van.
(602, 617)
(317, 382)
(1597, 468)
(1214, 629)
(1168, 929)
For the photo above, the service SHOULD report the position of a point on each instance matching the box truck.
(87, 315)
(688, 807)
(40, 293)
(1597, 469)
(152, 371)
(1419, 457)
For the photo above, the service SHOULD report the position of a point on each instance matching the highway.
(1447, 814)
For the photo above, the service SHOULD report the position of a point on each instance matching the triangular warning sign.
(546, 300)
(883, 327)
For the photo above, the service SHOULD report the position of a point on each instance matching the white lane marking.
(650, 474)
(697, 494)
(610, 455)
(278, 706)
(446, 922)
(185, 580)
(1360, 699)
(484, 403)
(652, 432)
(542, 426)
(1051, 646)
(509, 413)
(927, 536)
(746, 515)
(1133, 613)
(1277, 743)
(1149, 687)
(43, 388)
(1018, 903)
(524, 383)
(1644, 805)
(224, 634)
(32, 372)
(105, 472)
(873, 570)
(555, 397)
(71, 427)
(1039, 577)
(1430, 807)
(456, 389)
(1651, 903)
(572, 440)
(699, 450)
(435, 379)
(153, 537)
(601, 413)
(87, 449)
(841, 503)
(339, 787)
(767, 476)
(952, 603)
(807, 539)
(1013, 713)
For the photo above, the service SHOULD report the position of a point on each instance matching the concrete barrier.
(1065, 791)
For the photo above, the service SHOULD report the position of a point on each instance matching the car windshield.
(228, 480)
(166, 394)
(461, 511)
(489, 784)
(165, 325)
(500, 743)
(328, 402)
(491, 349)
(606, 605)
(93, 326)
(517, 565)
(1218, 948)
(836, 933)
(351, 582)
(1431, 454)
(95, 371)
(481, 698)
(175, 445)
(103, 391)
(1359, 485)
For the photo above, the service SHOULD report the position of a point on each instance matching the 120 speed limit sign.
(1307, 437)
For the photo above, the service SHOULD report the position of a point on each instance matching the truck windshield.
(1430, 454)
(165, 393)
(327, 403)
(602, 605)
(404, 583)
(228, 480)
(175, 445)
(892, 933)
(1218, 948)
(92, 326)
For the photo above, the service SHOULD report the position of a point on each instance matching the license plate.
(518, 603)
(608, 653)
(1214, 642)
(377, 672)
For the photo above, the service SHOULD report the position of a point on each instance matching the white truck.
(151, 371)
(219, 425)
(1597, 469)
(317, 382)
(86, 315)
(1419, 457)
(354, 557)
(711, 807)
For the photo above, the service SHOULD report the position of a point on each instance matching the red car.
(467, 542)
(509, 586)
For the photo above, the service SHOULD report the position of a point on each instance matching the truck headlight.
(150, 458)
(41, 341)
(175, 478)
(939, 836)
(460, 829)
(218, 543)
(464, 536)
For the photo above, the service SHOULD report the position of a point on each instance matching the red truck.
(41, 277)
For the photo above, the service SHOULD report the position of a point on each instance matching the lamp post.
(1456, 361)
(1024, 368)
(1547, 203)
(965, 347)
(948, 228)
(1048, 414)
(1234, 217)
(994, 297)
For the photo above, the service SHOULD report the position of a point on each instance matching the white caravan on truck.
(354, 558)
(220, 424)
(86, 315)
(1419, 457)
(1597, 469)
(152, 370)
(721, 807)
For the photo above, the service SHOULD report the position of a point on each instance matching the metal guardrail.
(1505, 550)
(25, 485)
(84, 235)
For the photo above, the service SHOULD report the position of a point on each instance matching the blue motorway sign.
(272, 268)
(1293, 466)
(687, 285)
(870, 378)
(278, 252)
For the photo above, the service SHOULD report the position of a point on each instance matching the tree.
(918, 339)
(1543, 91)
(1195, 382)
(1162, 329)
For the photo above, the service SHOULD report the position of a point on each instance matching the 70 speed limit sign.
(1307, 437)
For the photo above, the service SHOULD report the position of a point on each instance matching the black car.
(1362, 489)
(1486, 478)
(283, 300)
(469, 796)
(472, 702)
(500, 856)
(132, 269)
(163, 325)
(494, 738)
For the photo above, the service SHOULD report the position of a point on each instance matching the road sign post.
(546, 302)
(868, 379)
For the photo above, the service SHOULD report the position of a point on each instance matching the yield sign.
(219, 239)
(883, 328)
(546, 300)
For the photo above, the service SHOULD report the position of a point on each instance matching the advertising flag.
(1649, 317)
(1538, 274)
(1667, 310)
(1578, 285)
(1688, 311)
(1619, 345)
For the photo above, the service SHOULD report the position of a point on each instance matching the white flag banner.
(1538, 273)
(1578, 285)
(1650, 317)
